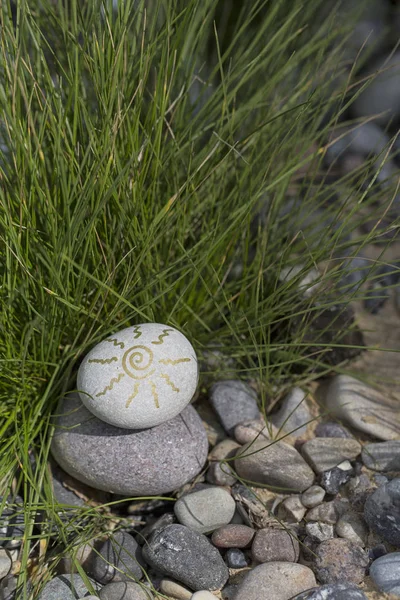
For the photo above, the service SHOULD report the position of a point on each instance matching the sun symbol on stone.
(139, 364)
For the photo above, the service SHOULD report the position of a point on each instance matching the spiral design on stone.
(137, 359)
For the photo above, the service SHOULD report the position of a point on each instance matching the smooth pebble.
(333, 591)
(5, 563)
(385, 573)
(234, 402)
(281, 580)
(235, 558)
(203, 595)
(313, 496)
(383, 456)
(233, 536)
(294, 414)
(67, 587)
(117, 559)
(132, 463)
(352, 526)
(174, 589)
(139, 377)
(382, 511)
(291, 509)
(324, 454)
(275, 545)
(206, 510)
(125, 590)
(220, 473)
(339, 560)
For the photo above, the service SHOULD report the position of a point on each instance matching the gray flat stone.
(234, 402)
(333, 591)
(276, 465)
(324, 454)
(206, 510)
(117, 559)
(275, 580)
(188, 557)
(67, 587)
(382, 511)
(384, 456)
(385, 572)
(293, 414)
(124, 590)
(339, 560)
(275, 545)
(133, 463)
(363, 407)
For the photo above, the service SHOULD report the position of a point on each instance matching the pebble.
(234, 402)
(139, 377)
(8, 588)
(5, 563)
(132, 463)
(339, 560)
(382, 511)
(293, 414)
(203, 595)
(187, 556)
(332, 480)
(81, 555)
(331, 429)
(174, 589)
(61, 494)
(361, 139)
(117, 559)
(124, 590)
(319, 532)
(291, 509)
(385, 573)
(382, 94)
(206, 510)
(67, 587)
(272, 544)
(221, 473)
(281, 580)
(233, 536)
(326, 513)
(12, 522)
(363, 407)
(333, 591)
(384, 456)
(324, 454)
(249, 431)
(313, 496)
(235, 559)
(352, 527)
(277, 465)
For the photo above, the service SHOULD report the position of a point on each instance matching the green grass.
(141, 144)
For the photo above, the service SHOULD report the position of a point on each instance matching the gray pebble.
(326, 513)
(124, 590)
(187, 556)
(324, 454)
(256, 429)
(313, 496)
(234, 402)
(67, 587)
(382, 511)
(339, 560)
(220, 473)
(134, 463)
(174, 589)
(319, 532)
(333, 591)
(385, 572)
(293, 414)
(362, 407)
(331, 430)
(272, 544)
(291, 509)
(157, 525)
(5, 563)
(259, 463)
(235, 558)
(352, 526)
(280, 580)
(118, 559)
(206, 510)
(8, 587)
(383, 456)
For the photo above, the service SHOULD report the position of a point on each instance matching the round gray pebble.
(313, 496)
(129, 462)
(382, 511)
(235, 558)
(67, 587)
(234, 402)
(383, 456)
(333, 591)
(385, 572)
(118, 559)
(272, 544)
(124, 590)
(206, 510)
(280, 580)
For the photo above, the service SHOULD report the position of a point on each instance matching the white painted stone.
(139, 377)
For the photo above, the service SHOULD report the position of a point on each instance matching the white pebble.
(203, 595)
(139, 377)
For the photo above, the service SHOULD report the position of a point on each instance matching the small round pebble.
(235, 559)
(331, 429)
(124, 590)
(206, 510)
(382, 511)
(339, 560)
(313, 496)
(233, 536)
(234, 402)
(385, 572)
(271, 544)
(118, 559)
(174, 589)
(139, 377)
(8, 588)
(281, 580)
(333, 591)
(5, 563)
(203, 595)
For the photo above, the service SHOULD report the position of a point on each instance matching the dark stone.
(333, 591)
(118, 559)
(186, 556)
(333, 479)
(331, 430)
(124, 590)
(382, 511)
(377, 552)
(234, 402)
(235, 559)
(157, 525)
